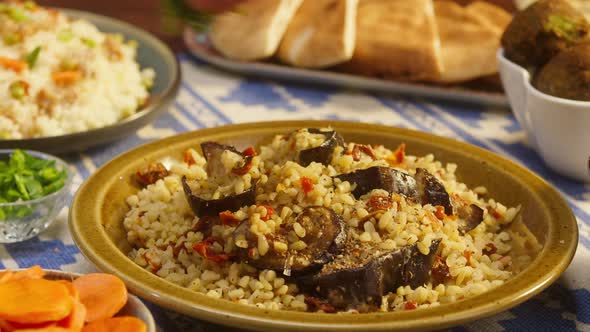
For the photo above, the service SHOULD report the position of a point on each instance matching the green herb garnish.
(177, 12)
(31, 58)
(563, 27)
(24, 177)
(65, 35)
(18, 89)
(88, 42)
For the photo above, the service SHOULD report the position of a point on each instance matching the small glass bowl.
(43, 210)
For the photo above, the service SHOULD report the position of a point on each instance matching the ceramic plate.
(151, 53)
(199, 45)
(98, 209)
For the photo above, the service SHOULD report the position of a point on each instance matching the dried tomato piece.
(410, 305)
(440, 270)
(440, 212)
(306, 184)
(317, 304)
(366, 149)
(228, 218)
(380, 202)
(246, 164)
(489, 249)
(188, 159)
(467, 255)
(151, 173)
(204, 249)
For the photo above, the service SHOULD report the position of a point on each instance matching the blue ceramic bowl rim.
(59, 163)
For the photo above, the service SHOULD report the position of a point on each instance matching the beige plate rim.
(92, 240)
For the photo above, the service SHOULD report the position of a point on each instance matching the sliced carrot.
(13, 64)
(5, 276)
(71, 289)
(34, 272)
(102, 294)
(45, 329)
(75, 321)
(7, 326)
(116, 324)
(66, 77)
(31, 301)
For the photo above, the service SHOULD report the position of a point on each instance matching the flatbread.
(253, 30)
(490, 15)
(396, 39)
(468, 47)
(321, 34)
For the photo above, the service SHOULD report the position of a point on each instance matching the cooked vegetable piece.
(323, 153)
(365, 275)
(32, 57)
(212, 152)
(71, 289)
(471, 216)
(151, 173)
(103, 295)
(378, 177)
(66, 77)
(75, 321)
(116, 324)
(325, 237)
(31, 301)
(202, 207)
(431, 191)
(19, 89)
(13, 64)
(34, 272)
(5, 276)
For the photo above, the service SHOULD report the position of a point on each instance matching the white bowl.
(556, 127)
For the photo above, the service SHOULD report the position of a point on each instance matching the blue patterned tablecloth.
(209, 98)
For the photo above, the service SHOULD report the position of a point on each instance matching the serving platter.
(151, 53)
(99, 207)
(199, 46)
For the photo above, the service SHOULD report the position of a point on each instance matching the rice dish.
(60, 75)
(310, 222)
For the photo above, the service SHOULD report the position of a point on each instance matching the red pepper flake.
(317, 304)
(204, 249)
(251, 252)
(228, 218)
(188, 158)
(366, 149)
(410, 305)
(467, 255)
(151, 173)
(496, 214)
(306, 184)
(380, 202)
(490, 249)
(269, 212)
(440, 270)
(440, 212)
(248, 154)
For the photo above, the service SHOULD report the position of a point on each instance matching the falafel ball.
(542, 30)
(567, 75)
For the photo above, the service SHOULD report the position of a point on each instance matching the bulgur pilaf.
(311, 223)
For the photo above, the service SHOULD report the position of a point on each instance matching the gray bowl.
(151, 53)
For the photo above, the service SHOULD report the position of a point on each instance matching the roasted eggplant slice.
(323, 153)
(432, 191)
(379, 177)
(202, 207)
(212, 152)
(325, 237)
(363, 277)
(470, 217)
